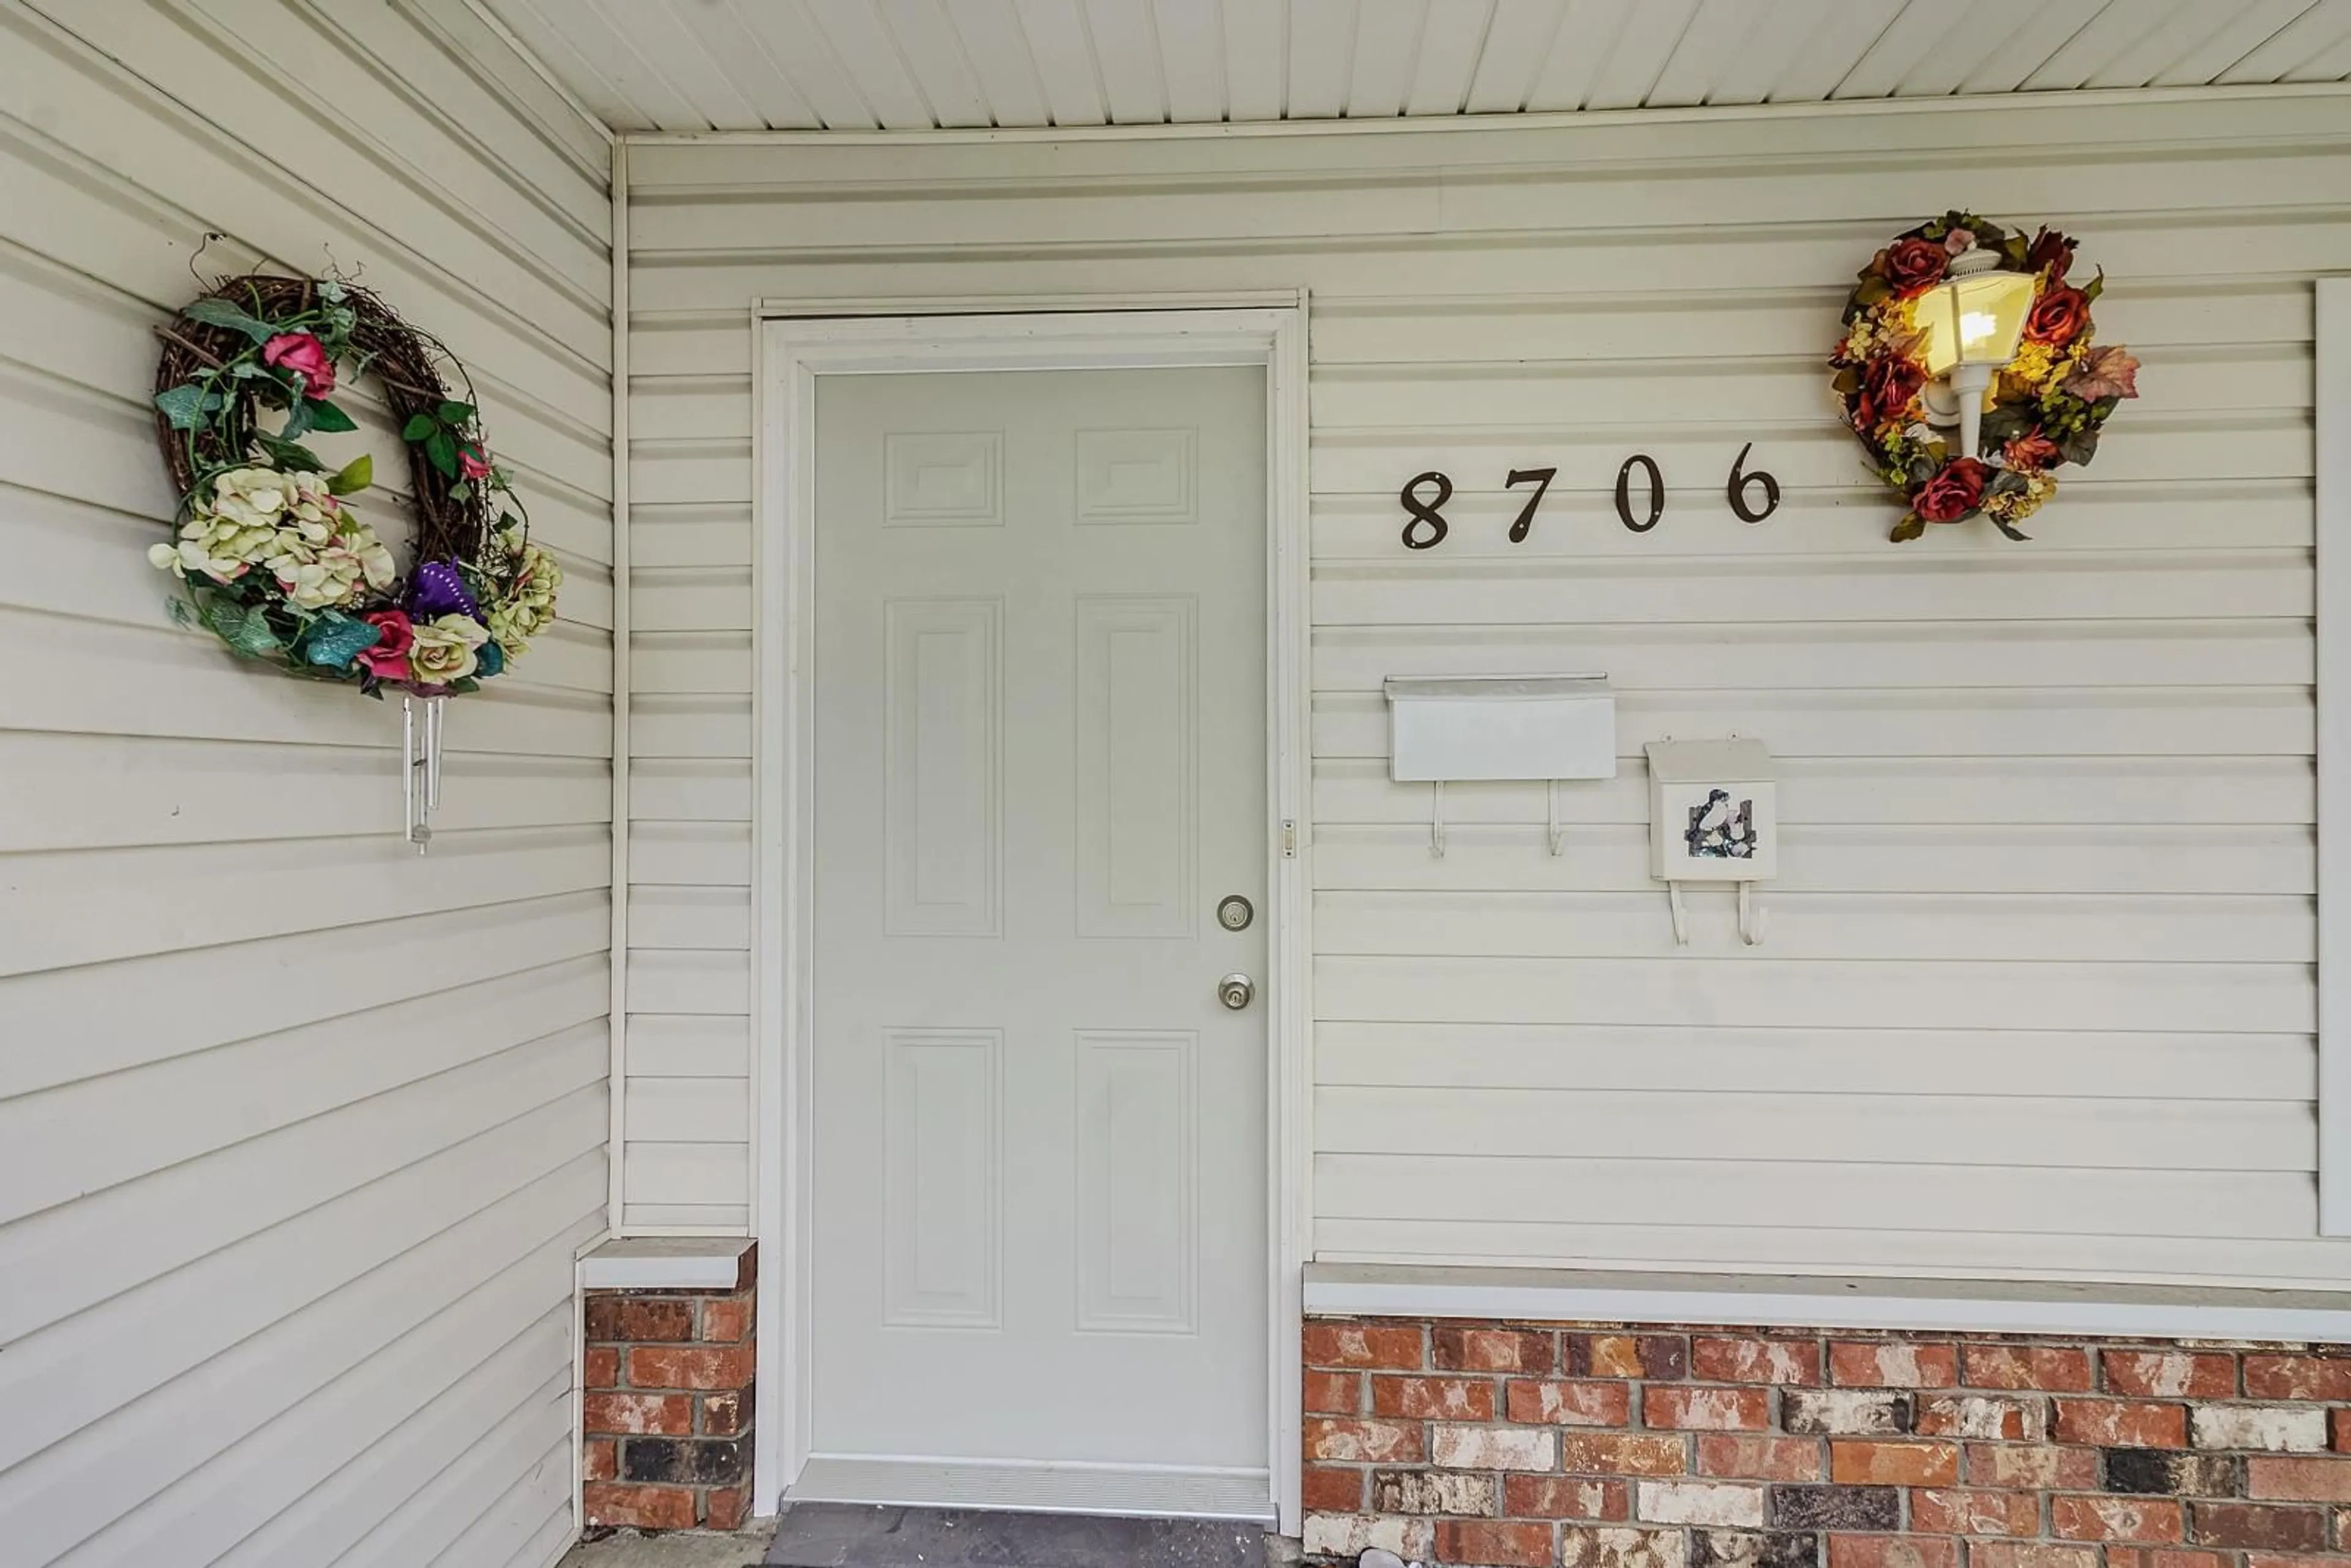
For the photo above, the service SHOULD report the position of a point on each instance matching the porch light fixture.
(1972, 320)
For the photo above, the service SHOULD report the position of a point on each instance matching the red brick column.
(1597, 1446)
(667, 1413)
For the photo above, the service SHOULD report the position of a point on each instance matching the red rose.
(472, 466)
(306, 357)
(1914, 266)
(1953, 492)
(1887, 385)
(2058, 316)
(2052, 253)
(2031, 453)
(387, 660)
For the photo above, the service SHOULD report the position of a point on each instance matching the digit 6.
(1736, 491)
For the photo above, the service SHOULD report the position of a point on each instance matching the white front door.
(1038, 1248)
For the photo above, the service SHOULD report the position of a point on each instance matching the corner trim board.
(2333, 703)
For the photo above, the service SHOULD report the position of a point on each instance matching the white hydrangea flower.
(529, 606)
(293, 526)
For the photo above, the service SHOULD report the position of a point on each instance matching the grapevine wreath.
(277, 562)
(2046, 406)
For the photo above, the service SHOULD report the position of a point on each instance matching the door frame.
(792, 345)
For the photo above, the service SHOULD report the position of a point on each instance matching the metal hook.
(1751, 916)
(198, 254)
(1681, 914)
(1558, 836)
(1436, 821)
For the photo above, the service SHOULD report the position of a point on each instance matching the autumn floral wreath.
(2046, 407)
(277, 562)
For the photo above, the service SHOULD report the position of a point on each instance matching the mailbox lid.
(1708, 761)
(1500, 727)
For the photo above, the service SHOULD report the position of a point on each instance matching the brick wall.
(667, 1413)
(1605, 1446)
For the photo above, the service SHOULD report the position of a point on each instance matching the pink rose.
(1889, 387)
(1913, 266)
(2058, 316)
(1953, 492)
(471, 465)
(388, 659)
(305, 355)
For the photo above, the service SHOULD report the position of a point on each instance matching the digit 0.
(1624, 493)
(1426, 512)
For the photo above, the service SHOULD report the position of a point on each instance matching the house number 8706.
(1425, 527)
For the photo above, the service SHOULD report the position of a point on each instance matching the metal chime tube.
(420, 770)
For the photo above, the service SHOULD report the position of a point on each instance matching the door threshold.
(1039, 1487)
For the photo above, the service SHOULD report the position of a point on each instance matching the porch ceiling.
(859, 65)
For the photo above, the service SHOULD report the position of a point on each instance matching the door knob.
(1236, 991)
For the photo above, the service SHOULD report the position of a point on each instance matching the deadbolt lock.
(1235, 912)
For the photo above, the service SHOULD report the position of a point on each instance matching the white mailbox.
(1445, 729)
(1714, 816)
(1453, 727)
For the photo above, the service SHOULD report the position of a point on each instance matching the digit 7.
(1541, 478)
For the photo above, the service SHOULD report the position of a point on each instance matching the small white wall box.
(1482, 727)
(1714, 816)
(1449, 728)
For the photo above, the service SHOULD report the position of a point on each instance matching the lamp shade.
(1974, 317)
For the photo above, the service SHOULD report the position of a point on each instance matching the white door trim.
(791, 349)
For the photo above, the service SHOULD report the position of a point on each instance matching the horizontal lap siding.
(2037, 997)
(298, 1132)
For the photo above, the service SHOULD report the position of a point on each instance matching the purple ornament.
(437, 590)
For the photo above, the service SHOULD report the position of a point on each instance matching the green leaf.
(300, 420)
(221, 313)
(2004, 421)
(244, 628)
(356, 476)
(454, 413)
(465, 686)
(325, 416)
(1911, 527)
(441, 451)
(186, 404)
(2079, 447)
(461, 491)
(2010, 530)
(290, 455)
(418, 427)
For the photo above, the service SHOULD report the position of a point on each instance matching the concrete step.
(853, 1535)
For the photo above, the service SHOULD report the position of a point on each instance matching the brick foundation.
(1590, 1446)
(668, 1412)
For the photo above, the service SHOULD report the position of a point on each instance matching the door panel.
(1040, 1147)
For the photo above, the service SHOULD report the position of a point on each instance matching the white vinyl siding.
(2037, 999)
(298, 1132)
